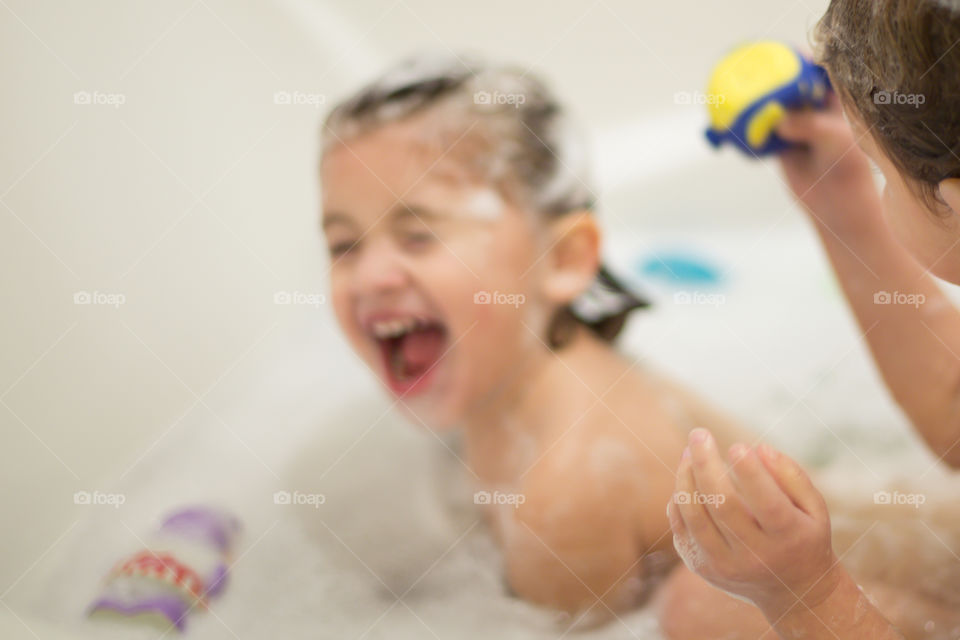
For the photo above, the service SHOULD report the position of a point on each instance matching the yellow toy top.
(747, 73)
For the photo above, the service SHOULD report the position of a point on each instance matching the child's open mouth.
(411, 348)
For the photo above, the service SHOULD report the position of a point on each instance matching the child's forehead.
(419, 155)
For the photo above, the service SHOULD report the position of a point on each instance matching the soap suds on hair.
(483, 204)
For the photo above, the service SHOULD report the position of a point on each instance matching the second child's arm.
(912, 328)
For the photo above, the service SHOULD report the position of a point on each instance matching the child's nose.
(379, 270)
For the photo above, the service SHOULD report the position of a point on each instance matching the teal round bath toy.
(751, 90)
(679, 268)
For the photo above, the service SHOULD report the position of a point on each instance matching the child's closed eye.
(418, 239)
(338, 249)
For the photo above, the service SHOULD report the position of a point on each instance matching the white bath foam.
(398, 522)
(483, 204)
(694, 558)
(399, 515)
(690, 552)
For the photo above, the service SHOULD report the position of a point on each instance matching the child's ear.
(574, 256)
(950, 193)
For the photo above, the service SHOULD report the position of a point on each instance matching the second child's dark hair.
(897, 64)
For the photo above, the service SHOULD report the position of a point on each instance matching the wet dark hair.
(896, 63)
(530, 148)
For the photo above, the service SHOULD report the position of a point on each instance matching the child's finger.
(696, 520)
(798, 126)
(676, 522)
(769, 504)
(794, 481)
(809, 126)
(716, 489)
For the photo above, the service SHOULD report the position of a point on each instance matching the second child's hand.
(826, 169)
(760, 530)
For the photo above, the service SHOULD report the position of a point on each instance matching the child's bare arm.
(577, 560)
(589, 513)
(916, 346)
(760, 530)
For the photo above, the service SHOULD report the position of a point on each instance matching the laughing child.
(465, 272)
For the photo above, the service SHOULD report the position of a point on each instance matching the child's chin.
(430, 416)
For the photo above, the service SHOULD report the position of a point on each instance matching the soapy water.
(693, 557)
(399, 549)
(689, 551)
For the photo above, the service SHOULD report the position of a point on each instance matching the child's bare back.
(582, 492)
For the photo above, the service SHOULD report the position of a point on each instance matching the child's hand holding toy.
(752, 89)
(827, 171)
(768, 98)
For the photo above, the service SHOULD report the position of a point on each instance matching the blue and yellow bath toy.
(751, 90)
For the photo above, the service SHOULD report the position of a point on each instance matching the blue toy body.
(754, 87)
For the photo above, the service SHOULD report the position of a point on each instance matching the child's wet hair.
(520, 139)
(897, 64)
